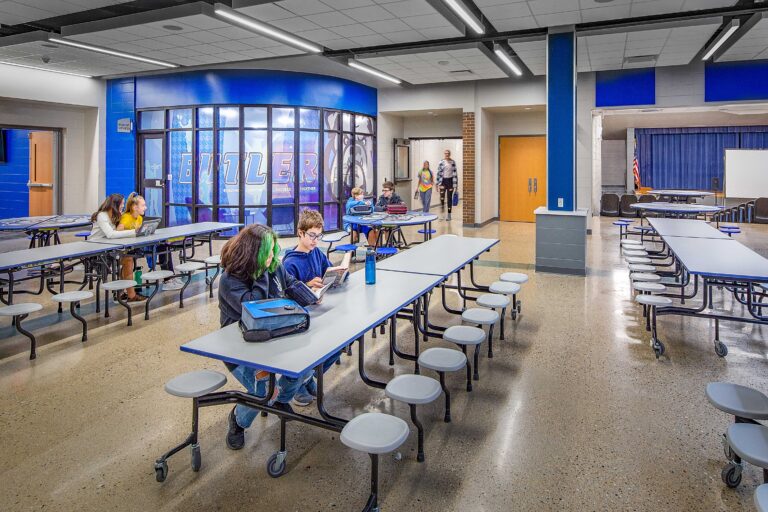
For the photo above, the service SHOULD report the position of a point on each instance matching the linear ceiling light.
(44, 69)
(262, 28)
(467, 17)
(107, 51)
(506, 59)
(362, 67)
(728, 32)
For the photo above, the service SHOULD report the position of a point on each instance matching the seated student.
(388, 196)
(358, 198)
(308, 264)
(252, 271)
(131, 220)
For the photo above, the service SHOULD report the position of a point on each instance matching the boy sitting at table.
(308, 263)
(358, 199)
(388, 196)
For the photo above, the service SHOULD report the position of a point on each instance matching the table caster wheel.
(397, 456)
(519, 306)
(197, 459)
(731, 475)
(514, 314)
(658, 348)
(720, 348)
(276, 464)
(161, 471)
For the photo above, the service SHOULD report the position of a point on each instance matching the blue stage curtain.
(754, 140)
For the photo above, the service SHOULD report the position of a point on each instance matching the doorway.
(151, 155)
(522, 177)
(432, 150)
(41, 173)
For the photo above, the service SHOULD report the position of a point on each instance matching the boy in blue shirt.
(357, 198)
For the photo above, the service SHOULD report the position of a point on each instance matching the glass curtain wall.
(261, 164)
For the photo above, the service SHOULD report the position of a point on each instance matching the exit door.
(41, 173)
(522, 177)
(152, 149)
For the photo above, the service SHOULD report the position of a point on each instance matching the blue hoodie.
(306, 266)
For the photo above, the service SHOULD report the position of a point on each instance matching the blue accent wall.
(561, 121)
(14, 175)
(120, 147)
(736, 81)
(625, 87)
(254, 86)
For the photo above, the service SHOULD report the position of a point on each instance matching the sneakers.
(236, 433)
(172, 284)
(449, 217)
(302, 398)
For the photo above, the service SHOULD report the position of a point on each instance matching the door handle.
(39, 185)
(535, 185)
(529, 185)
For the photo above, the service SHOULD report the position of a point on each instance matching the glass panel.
(229, 215)
(153, 159)
(330, 167)
(255, 166)
(331, 216)
(363, 124)
(204, 214)
(180, 167)
(309, 184)
(181, 118)
(347, 122)
(282, 167)
(309, 118)
(152, 120)
(283, 118)
(347, 165)
(331, 120)
(364, 164)
(205, 167)
(282, 220)
(255, 117)
(229, 167)
(179, 215)
(229, 117)
(255, 216)
(154, 199)
(205, 117)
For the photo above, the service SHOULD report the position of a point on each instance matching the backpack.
(361, 209)
(262, 320)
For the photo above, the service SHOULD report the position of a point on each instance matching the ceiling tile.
(370, 13)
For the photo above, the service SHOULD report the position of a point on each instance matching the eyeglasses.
(313, 236)
(387, 190)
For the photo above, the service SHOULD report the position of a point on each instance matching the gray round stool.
(634, 267)
(116, 287)
(374, 433)
(187, 269)
(747, 405)
(646, 287)
(749, 443)
(645, 277)
(443, 360)
(414, 390)
(481, 317)
(650, 303)
(212, 261)
(464, 335)
(154, 278)
(509, 289)
(518, 278)
(641, 260)
(761, 498)
(74, 298)
(19, 312)
(495, 301)
(631, 243)
(635, 252)
(189, 385)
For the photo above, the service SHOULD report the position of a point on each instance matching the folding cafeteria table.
(44, 228)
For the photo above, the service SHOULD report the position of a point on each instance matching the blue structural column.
(561, 121)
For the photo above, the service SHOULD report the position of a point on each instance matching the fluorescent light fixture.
(507, 60)
(44, 69)
(467, 17)
(262, 28)
(107, 51)
(362, 67)
(733, 26)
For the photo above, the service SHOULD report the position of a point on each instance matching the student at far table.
(358, 199)
(131, 220)
(388, 196)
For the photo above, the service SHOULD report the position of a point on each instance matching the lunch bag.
(263, 320)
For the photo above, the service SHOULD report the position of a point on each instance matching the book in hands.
(305, 295)
(334, 276)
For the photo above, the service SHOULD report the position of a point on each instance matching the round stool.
(414, 390)
(443, 360)
(386, 251)
(374, 433)
(519, 278)
(19, 312)
(116, 287)
(74, 298)
(427, 233)
(745, 404)
(650, 303)
(645, 276)
(493, 301)
(749, 443)
(480, 317)
(631, 243)
(643, 286)
(83, 234)
(730, 230)
(187, 269)
(761, 498)
(464, 335)
(636, 267)
(639, 260)
(155, 278)
(628, 253)
(189, 385)
(212, 261)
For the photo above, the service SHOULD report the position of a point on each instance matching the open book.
(334, 276)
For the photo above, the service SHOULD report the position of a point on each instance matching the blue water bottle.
(370, 267)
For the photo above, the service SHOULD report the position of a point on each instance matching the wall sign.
(124, 125)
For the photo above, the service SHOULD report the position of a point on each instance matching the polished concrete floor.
(573, 413)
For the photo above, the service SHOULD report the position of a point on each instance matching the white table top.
(344, 315)
(676, 207)
(688, 228)
(681, 193)
(441, 256)
(163, 234)
(723, 258)
(44, 222)
(378, 218)
(51, 253)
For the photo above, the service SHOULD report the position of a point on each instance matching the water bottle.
(370, 267)
(137, 275)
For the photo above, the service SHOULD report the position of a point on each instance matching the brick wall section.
(468, 172)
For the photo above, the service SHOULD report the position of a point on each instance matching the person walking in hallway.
(447, 176)
(426, 179)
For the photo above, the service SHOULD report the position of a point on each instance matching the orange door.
(522, 177)
(40, 173)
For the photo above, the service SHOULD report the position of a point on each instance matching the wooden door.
(40, 173)
(522, 177)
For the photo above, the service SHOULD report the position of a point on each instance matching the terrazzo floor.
(573, 413)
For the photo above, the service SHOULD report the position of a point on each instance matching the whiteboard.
(746, 173)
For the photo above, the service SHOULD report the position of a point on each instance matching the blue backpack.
(262, 320)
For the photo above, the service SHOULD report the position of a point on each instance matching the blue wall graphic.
(14, 175)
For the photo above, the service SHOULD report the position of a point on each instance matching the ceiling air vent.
(461, 72)
(641, 59)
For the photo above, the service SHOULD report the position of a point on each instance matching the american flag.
(636, 172)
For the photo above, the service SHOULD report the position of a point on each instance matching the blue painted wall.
(736, 81)
(625, 87)
(14, 175)
(120, 147)
(561, 121)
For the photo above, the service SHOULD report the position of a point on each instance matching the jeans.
(247, 377)
(289, 386)
(426, 198)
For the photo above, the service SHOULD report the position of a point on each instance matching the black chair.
(760, 211)
(624, 209)
(609, 205)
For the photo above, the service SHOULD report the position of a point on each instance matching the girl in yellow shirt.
(135, 207)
